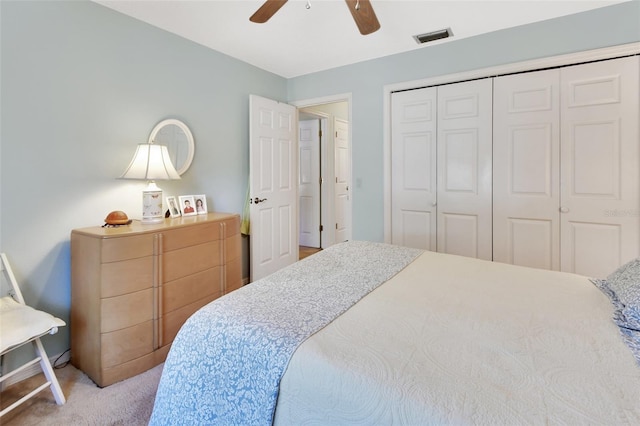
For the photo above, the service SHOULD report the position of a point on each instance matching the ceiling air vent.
(432, 36)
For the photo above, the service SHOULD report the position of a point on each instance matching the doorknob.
(259, 200)
(564, 209)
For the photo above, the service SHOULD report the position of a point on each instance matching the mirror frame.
(187, 132)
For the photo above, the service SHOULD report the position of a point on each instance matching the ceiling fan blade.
(266, 11)
(363, 14)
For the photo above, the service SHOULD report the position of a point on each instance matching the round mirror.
(177, 137)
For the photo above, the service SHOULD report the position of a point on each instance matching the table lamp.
(151, 162)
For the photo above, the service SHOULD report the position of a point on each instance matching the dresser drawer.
(189, 260)
(127, 276)
(125, 311)
(184, 237)
(127, 344)
(232, 225)
(115, 249)
(233, 248)
(234, 275)
(183, 291)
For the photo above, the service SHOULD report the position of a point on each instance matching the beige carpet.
(129, 402)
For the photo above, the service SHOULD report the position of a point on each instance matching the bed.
(370, 333)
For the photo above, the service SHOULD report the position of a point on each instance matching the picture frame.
(173, 206)
(188, 205)
(201, 203)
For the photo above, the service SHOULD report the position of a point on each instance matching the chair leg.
(49, 373)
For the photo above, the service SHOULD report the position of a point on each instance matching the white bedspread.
(454, 340)
(225, 364)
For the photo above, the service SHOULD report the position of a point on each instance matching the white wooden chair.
(21, 324)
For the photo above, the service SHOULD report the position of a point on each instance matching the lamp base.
(152, 204)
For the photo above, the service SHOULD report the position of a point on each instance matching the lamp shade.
(151, 162)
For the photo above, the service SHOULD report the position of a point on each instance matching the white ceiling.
(298, 41)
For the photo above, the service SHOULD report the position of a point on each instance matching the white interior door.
(309, 182)
(464, 223)
(273, 157)
(600, 192)
(343, 180)
(413, 168)
(526, 169)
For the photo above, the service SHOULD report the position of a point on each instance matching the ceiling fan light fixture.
(433, 36)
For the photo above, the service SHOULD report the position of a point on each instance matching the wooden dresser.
(132, 288)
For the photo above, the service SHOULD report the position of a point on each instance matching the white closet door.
(526, 169)
(600, 160)
(464, 169)
(413, 168)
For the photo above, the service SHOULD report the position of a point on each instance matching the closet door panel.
(595, 247)
(526, 176)
(464, 169)
(413, 168)
(600, 161)
(532, 243)
(459, 234)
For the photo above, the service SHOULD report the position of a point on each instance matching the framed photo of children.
(201, 204)
(172, 205)
(188, 205)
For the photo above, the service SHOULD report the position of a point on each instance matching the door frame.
(516, 67)
(327, 192)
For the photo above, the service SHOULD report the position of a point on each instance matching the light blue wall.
(618, 24)
(81, 86)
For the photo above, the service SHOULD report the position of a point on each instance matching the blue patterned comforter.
(225, 365)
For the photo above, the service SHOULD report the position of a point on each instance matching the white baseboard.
(35, 369)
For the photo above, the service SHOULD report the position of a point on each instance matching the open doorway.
(324, 173)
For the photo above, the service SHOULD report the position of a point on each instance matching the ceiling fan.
(361, 10)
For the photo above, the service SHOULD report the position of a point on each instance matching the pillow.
(624, 291)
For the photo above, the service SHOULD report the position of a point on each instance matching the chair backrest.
(10, 279)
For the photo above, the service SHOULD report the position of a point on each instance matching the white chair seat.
(21, 323)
